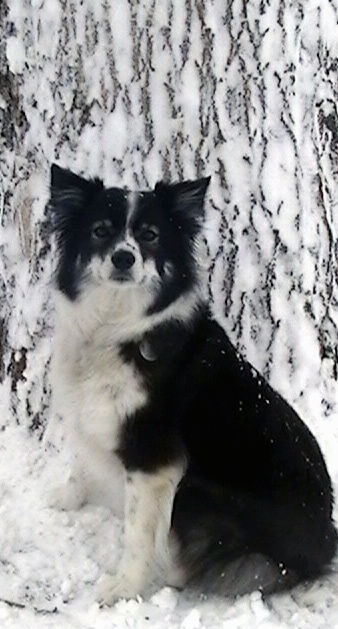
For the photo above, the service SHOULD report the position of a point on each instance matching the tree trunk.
(138, 91)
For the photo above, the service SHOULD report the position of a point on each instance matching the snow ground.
(51, 560)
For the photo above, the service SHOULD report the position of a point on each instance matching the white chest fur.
(94, 389)
(93, 392)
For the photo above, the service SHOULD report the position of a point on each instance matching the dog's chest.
(103, 389)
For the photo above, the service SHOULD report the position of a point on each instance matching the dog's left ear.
(186, 197)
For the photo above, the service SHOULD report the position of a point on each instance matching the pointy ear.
(186, 197)
(62, 180)
(69, 194)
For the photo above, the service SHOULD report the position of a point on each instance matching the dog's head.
(110, 236)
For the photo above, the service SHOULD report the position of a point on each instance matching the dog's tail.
(216, 547)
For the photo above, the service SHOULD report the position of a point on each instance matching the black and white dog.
(225, 488)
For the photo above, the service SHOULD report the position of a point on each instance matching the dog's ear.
(191, 193)
(63, 180)
(184, 200)
(69, 194)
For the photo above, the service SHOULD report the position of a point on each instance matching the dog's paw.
(113, 587)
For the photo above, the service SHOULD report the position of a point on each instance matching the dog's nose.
(123, 260)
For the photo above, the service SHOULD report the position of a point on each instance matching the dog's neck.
(118, 315)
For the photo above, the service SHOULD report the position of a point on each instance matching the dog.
(225, 489)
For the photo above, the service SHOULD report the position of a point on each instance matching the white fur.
(132, 200)
(94, 391)
(148, 507)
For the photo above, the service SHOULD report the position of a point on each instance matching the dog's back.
(256, 498)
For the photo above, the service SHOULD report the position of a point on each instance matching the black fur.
(256, 483)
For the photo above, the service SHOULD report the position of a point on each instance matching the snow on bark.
(138, 91)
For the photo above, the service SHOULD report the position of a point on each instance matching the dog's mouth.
(122, 277)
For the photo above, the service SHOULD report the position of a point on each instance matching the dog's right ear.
(63, 180)
(69, 195)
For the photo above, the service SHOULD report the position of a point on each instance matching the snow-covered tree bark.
(135, 91)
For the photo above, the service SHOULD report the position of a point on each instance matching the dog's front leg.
(148, 507)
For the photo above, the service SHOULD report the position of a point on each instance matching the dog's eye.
(149, 234)
(101, 230)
